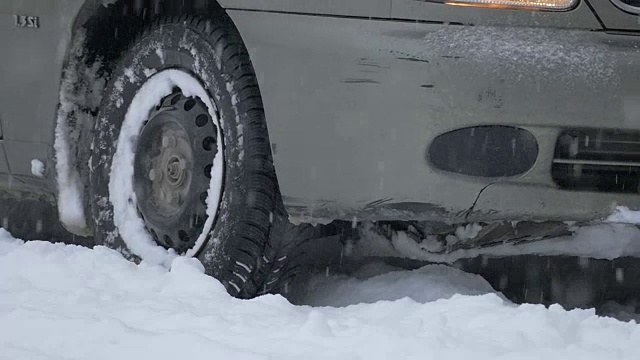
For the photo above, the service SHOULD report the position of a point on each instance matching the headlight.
(547, 5)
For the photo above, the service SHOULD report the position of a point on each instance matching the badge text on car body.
(27, 21)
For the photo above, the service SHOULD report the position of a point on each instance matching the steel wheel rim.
(172, 170)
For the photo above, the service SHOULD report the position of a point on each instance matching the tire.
(237, 249)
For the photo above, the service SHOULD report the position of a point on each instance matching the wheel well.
(110, 26)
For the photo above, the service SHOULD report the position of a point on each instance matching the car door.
(357, 8)
(34, 35)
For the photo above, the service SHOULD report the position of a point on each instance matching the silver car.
(199, 127)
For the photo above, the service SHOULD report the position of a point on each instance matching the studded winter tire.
(181, 162)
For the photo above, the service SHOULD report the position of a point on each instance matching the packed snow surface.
(59, 301)
(379, 282)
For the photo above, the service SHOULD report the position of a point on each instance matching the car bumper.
(353, 106)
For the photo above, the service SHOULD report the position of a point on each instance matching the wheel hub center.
(175, 171)
(171, 162)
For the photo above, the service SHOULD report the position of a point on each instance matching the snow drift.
(70, 302)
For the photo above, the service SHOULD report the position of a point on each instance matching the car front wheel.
(181, 162)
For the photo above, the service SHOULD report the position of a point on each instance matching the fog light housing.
(489, 151)
(536, 5)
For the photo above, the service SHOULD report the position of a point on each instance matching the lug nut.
(168, 141)
(173, 197)
(155, 175)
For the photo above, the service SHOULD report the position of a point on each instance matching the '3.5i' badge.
(27, 21)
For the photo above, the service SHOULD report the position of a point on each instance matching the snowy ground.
(69, 302)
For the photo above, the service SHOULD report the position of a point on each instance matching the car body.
(357, 92)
